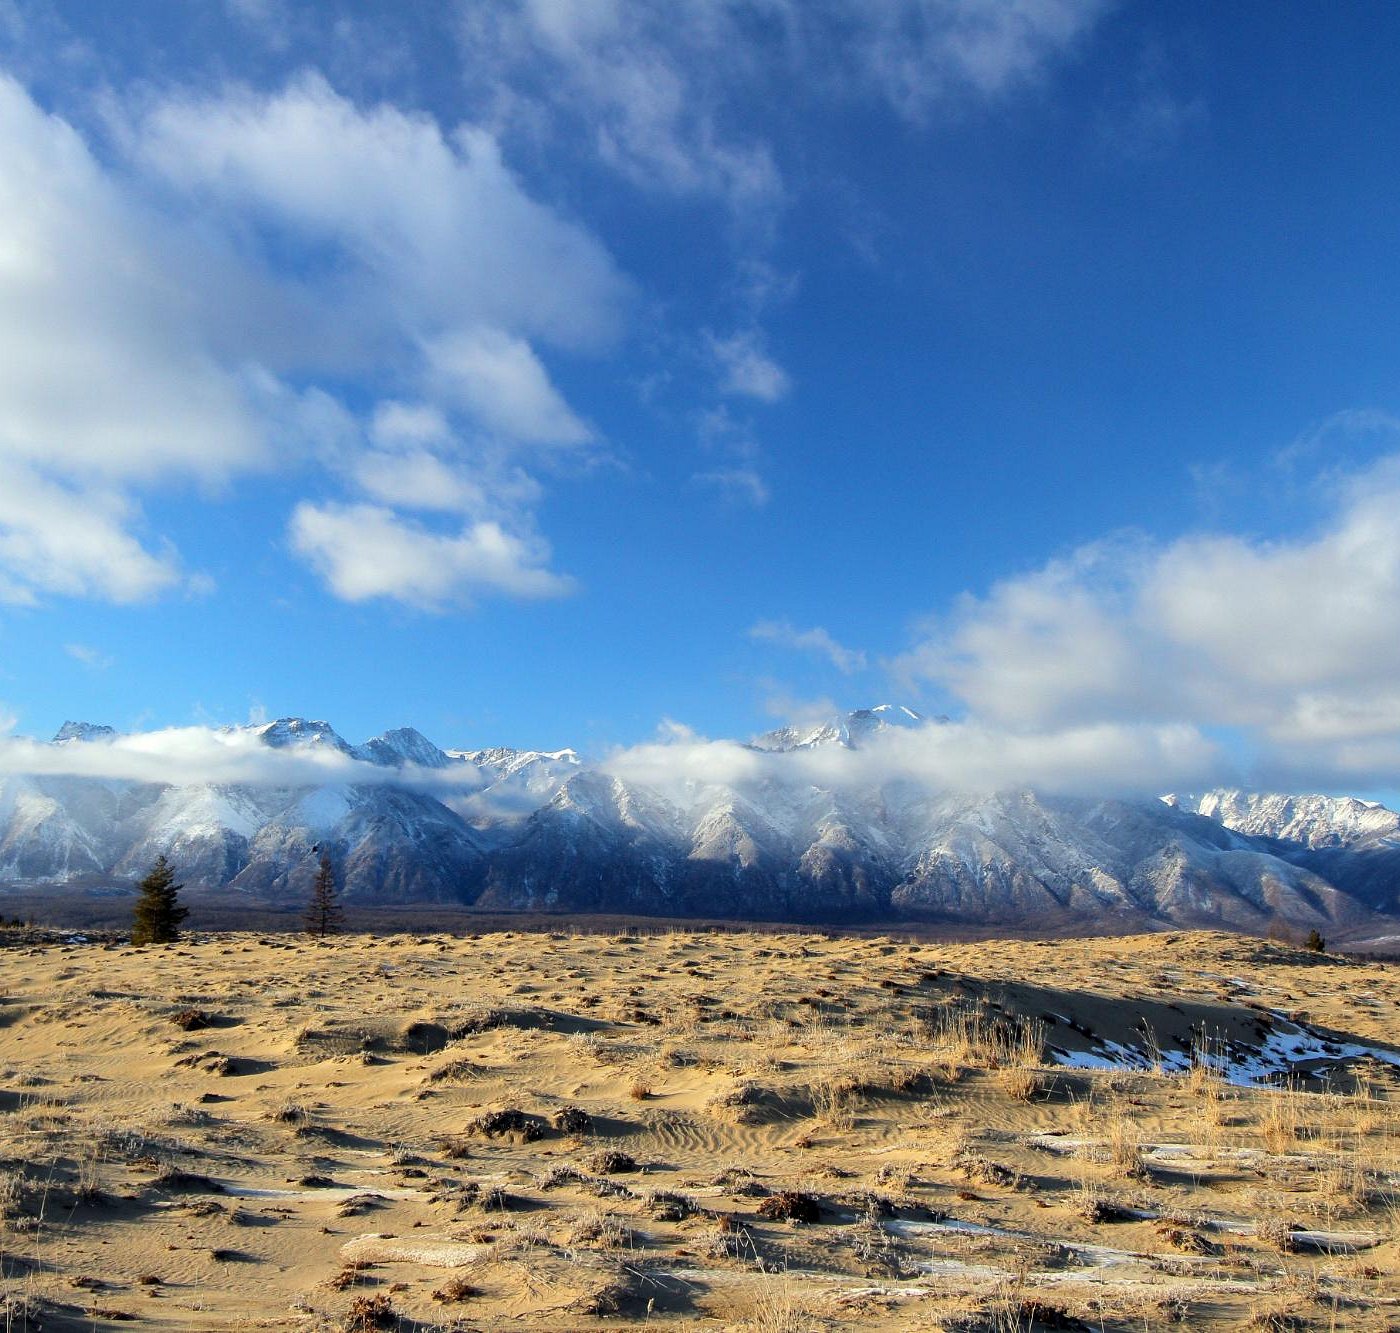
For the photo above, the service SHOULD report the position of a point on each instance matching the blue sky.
(532, 372)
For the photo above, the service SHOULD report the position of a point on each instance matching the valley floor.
(767, 1132)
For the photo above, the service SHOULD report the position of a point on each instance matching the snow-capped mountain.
(849, 731)
(296, 731)
(542, 830)
(1352, 844)
(403, 746)
(1313, 821)
(83, 731)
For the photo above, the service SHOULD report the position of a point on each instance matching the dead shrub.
(511, 1120)
(456, 1289)
(1277, 1232)
(790, 1206)
(612, 1162)
(454, 1071)
(600, 1230)
(192, 1020)
(291, 1113)
(572, 1120)
(367, 1313)
(667, 1206)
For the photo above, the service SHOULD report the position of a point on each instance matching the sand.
(770, 1132)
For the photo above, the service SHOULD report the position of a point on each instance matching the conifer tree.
(158, 911)
(1315, 942)
(323, 913)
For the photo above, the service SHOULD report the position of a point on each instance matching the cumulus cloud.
(366, 551)
(103, 371)
(436, 231)
(1294, 644)
(103, 375)
(61, 538)
(501, 381)
(815, 640)
(162, 321)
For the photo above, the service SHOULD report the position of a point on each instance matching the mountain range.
(406, 821)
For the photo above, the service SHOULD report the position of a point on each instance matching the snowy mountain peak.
(848, 731)
(501, 761)
(403, 745)
(894, 715)
(83, 731)
(535, 830)
(1314, 821)
(296, 731)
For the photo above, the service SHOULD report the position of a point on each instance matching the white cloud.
(1294, 644)
(747, 370)
(922, 54)
(501, 381)
(105, 378)
(656, 87)
(418, 480)
(779, 703)
(188, 755)
(408, 425)
(447, 252)
(154, 318)
(103, 369)
(815, 640)
(436, 233)
(738, 485)
(366, 551)
(963, 757)
(60, 539)
(268, 19)
(640, 78)
(957, 757)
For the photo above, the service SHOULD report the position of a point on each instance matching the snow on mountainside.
(522, 829)
(1353, 845)
(848, 731)
(1313, 821)
(82, 731)
(514, 784)
(402, 746)
(297, 731)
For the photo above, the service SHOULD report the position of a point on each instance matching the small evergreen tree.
(323, 913)
(158, 911)
(1315, 942)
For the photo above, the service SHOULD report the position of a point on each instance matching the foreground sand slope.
(773, 1132)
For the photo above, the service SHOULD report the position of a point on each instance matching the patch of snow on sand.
(1286, 1050)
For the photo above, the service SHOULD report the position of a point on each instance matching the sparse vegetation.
(429, 1132)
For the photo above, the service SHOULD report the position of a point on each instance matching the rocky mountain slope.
(405, 820)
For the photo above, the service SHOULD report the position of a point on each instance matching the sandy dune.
(774, 1132)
